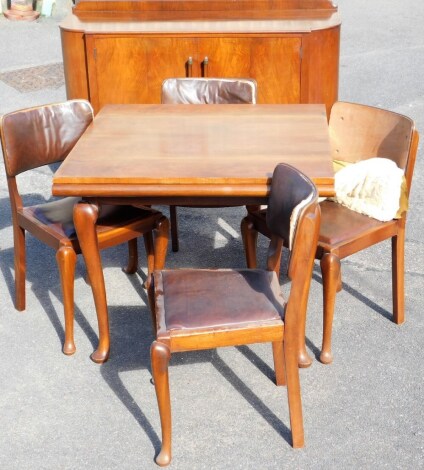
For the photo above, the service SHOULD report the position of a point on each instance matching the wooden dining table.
(186, 155)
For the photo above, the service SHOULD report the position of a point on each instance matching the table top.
(196, 151)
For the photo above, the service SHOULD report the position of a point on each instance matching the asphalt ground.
(363, 411)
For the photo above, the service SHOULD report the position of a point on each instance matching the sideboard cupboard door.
(274, 62)
(130, 69)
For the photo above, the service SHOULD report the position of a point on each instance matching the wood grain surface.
(196, 151)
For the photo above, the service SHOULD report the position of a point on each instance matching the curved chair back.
(293, 218)
(38, 136)
(209, 91)
(359, 132)
(291, 190)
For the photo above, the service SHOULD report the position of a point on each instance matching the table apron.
(199, 195)
(179, 201)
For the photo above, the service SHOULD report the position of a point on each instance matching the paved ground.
(364, 411)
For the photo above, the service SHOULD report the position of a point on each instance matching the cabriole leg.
(85, 218)
(160, 356)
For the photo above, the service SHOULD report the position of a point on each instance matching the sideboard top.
(197, 16)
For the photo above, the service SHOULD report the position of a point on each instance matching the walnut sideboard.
(118, 52)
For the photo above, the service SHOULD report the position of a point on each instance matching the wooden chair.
(201, 309)
(43, 135)
(205, 91)
(357, 133)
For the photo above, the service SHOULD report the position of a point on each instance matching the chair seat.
(340, 225)
(190, 299)
(58, 215)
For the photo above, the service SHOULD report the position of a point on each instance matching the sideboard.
(121, 51)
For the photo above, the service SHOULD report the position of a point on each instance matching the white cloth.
(295, 217)
(371, 187)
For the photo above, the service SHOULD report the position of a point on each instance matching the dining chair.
(199, 309)
(43, 135)
(205, 91)
(357, 132)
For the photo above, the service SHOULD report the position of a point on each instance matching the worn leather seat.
(58, 215)
(340, 225)
(191, 304)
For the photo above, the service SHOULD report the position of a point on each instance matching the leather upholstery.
(220, 298)
(289, 187)
(58, 215)
(42, 135)
(215, 299)
(340, 224)
(208, 91)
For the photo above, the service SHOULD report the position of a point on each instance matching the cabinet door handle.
(190, 67)
(205, 66)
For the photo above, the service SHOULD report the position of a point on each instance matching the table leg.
(85, 218)
(304, 359)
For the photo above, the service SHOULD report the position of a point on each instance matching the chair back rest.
(291, 191)
(209, 91)
(38, 136)
(293, 206)
(359, 132)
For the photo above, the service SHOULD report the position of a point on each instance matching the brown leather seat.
(200, 309)
(205, 91)
(191, 303)
(58, 215)
(357, 133)
(340, 225)
(43, 135)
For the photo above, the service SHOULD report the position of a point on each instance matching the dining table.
(221, 155)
